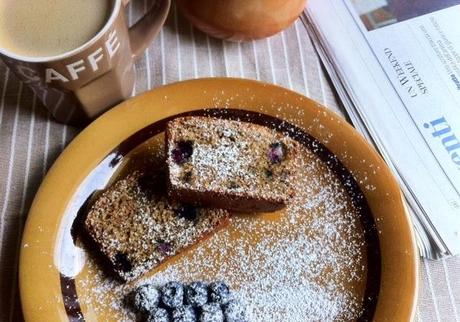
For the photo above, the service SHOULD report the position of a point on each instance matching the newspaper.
(396, 67)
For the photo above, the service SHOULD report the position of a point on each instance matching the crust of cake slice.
(136, 228)
(229, 166)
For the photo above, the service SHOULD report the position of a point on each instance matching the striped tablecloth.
(30, 140)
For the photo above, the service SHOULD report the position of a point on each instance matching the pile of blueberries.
(194, 302)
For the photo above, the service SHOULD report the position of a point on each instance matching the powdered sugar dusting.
(232, 158)
(305, 263)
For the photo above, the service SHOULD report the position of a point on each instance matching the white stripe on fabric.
(430, 284)
(46, 150)
(149, 75)
(130, 18)
(321, 82)
(195, 60)
(11, 160)
(29, 152)
(134, 91)
(163, 68)
(5, 85)
(256, 60)
(211, 68)
(58, 104)
(449, 289)
(270, 56)
(23, 203)
(176, 26)
(302, 61)
(286, 59)
(71, 113)
(240, 58)
(225, 58)
(147, 58)
(64, 136)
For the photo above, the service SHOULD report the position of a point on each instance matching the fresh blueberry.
(211, 312)
(182, 152)
(196, 294)
(184, 314)
(234, 312)
(188, 212)
(146, 298)
(277, 152)
(159, 315)
(219, 292)
(172, 294)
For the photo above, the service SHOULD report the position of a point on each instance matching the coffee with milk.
(43, 28)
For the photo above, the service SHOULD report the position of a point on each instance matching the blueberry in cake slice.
(136, 227)
(230, 164)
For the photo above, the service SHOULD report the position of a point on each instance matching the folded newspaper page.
(396, 67)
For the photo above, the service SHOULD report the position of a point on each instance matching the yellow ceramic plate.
(55, 275)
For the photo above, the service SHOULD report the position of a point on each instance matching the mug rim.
(44, 59)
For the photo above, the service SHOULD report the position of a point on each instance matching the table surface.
(30, 140)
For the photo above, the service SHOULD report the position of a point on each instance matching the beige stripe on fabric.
(30, 141)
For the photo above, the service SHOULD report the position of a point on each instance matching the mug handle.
(146, 28)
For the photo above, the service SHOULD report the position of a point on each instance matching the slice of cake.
(137, 228)
(229, 164)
